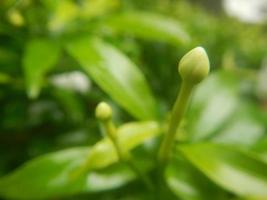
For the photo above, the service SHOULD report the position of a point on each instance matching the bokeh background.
(51, 108)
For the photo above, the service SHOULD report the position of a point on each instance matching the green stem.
(111, 131)
(176, 117)
(125, 157)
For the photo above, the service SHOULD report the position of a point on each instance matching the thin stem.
(125, 157)
(176, 117)
(111, 131)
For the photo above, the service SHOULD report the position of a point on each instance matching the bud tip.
(194, 66)
(103, 111)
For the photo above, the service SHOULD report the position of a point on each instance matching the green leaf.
(232, 169)
(4, 78)
(213, 103)
(116, 75)
(96, 8)
(62, 14)
(45, 176)
(39, 57)
(260, 148)
(149, 26)
(72, 106)
(111, 177)
(188, 183)
(55, 174)
(129, 136)
(49, 176)
(244, 129)
(219, 114)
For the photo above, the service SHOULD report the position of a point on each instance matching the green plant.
(219, 149)
(43, 40)
(190, 172)
(194, 67)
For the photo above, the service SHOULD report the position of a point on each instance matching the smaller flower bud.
(194, 66)
(103, 111)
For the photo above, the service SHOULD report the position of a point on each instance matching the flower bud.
(103, 111)
(194, 66)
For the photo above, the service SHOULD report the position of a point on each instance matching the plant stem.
(125, 157)
(111, 132)
(176, 117)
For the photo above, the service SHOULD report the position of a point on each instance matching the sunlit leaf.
(63, 13)
(39, 57)
(97, 8)
(218, 113)
(149, 26)
(214, 102)
(129, 136)
(232, 169)
(45, 176)
(188, 183)
(116, 75)
(49, 175)
(109, 178)
(244, 128)
(55, 174)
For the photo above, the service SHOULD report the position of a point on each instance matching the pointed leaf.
(213, 103)
(50, 176)
(188, 183)
(116, 75)
(45, 176)
(149, 26)
(129, 135)
(232, 169)
(245, 127)
(39, 57)
(55, 174)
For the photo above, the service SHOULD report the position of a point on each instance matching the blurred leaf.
(232, 169)
(39, 57)
(245, 127)
(149, 26)
(261, 88)
(214, 102)
(49, 176)
(7, 56)
(260, 148)
(129, 135)
(45, 176)
(188, 183)
(97, 7)
(218, 114)
(73, 107)
(109, 178)
(4, 78)
(116, 75)
(62, 14)
(55, 174)
(15, 17)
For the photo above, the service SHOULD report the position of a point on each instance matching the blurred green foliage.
(58, 59)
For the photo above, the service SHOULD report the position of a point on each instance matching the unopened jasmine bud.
(194, 66)
(103, 111)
